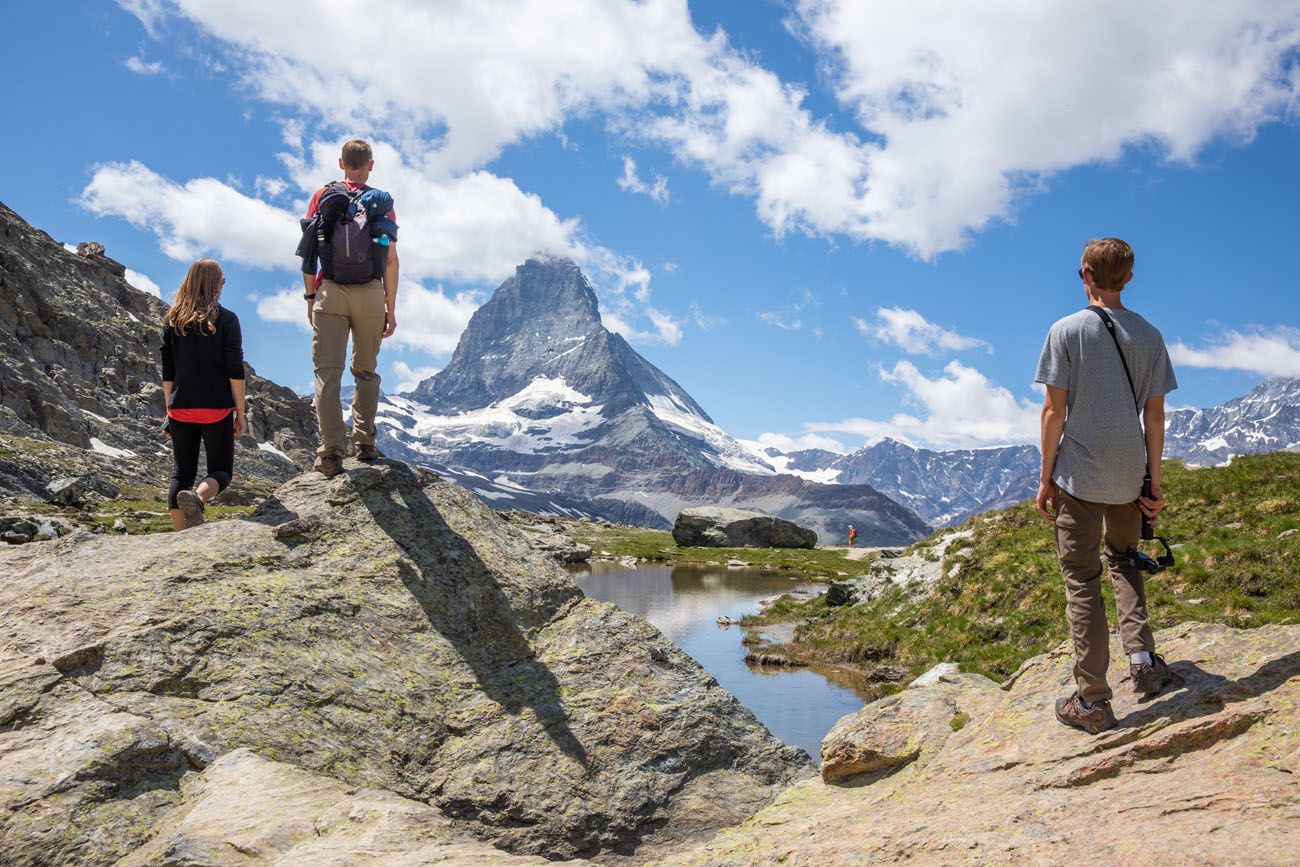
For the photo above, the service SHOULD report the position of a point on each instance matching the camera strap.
(1110, 326)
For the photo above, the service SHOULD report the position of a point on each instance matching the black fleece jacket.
(200, 365)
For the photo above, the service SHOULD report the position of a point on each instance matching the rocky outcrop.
(383, 630)
(719, 527)
(910, 726)
(1205, 774)
(244, 809)
(80, 380)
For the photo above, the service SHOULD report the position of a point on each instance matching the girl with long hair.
(203, 388)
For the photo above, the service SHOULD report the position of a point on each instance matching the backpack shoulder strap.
(1110, 326)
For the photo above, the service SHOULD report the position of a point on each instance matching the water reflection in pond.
(798, 705)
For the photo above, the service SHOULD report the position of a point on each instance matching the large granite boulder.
(721, 527)
(382, 629)
(1208, 773)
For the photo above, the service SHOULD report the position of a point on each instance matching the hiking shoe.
(329, 465)
(191, 508)
(1151, 679)
(1093, 720)
(368, 453)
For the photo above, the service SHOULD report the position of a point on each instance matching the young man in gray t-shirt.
(1096, 450)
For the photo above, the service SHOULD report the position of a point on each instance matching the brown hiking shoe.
(191, 508)
(328, 466)
(1151, 679)
(1093, 720)
(368, 453)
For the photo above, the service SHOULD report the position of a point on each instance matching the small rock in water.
(726, 622)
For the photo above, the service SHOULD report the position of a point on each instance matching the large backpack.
(349, 257)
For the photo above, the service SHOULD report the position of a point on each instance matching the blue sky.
(869, 214)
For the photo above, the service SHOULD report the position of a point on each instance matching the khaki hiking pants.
(359, 309)
(1079, 534)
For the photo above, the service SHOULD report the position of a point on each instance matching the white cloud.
(961, 108)
(143, 283)
(972, 104)
(658, 191)
(912, 332)
(428, 320)
(788, 317)
(705, 321)
(785, 443)
(139, 66)
(961, 408)
(1266, 351)
(409, 377)
(203, 217)
(473, 228)
(779, 319)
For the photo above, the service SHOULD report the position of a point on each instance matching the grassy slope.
(622, 540)
(1005, 602)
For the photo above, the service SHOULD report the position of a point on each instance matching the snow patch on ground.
(100, 447)
(268, 447)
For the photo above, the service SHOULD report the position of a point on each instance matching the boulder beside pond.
(721, 527)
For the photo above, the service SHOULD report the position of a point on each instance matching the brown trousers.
(1079, 533)
(359, 309)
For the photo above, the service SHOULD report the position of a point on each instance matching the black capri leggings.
(218, 441)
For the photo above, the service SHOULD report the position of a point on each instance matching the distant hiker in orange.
(853, 536)
(203, 389)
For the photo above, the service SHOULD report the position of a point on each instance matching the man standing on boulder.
(1103, 366)
(352, 230)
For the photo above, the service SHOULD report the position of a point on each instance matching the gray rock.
(76, 491)
(13, 537)
(721, 527)
(401, 638)
(119, 526)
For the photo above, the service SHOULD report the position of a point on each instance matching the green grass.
(1006, 601)
(622, 540)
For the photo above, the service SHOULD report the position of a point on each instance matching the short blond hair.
(356, 154)
(1111, 262)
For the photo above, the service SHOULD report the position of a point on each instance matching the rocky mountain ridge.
(1265, 419)
(943, 487)
(540, 393)
(79, 387)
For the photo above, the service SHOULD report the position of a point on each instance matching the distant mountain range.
(1265, 419)
(943, 487)
(541, 394)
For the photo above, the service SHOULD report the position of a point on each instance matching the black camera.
(1143, 561)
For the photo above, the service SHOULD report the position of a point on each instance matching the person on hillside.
(853, 536)
(351, 229)
(203, 389)
(1103, 427)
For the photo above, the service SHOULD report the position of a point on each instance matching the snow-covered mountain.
(540, 394)
(943, 487)
(1265, 419)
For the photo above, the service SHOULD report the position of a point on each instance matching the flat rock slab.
(1208, 773)
(383, 629)
(721, 527)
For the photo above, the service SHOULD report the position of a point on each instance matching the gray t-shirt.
(1103, 454)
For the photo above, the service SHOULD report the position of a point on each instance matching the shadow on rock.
(474, 615)
(1204, 692)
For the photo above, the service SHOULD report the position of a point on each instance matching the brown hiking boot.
(1151, 679)
(191, 508)
(1093, 720)
(368, 453)
(329, 465)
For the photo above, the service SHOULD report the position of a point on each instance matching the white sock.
(1140, 658)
